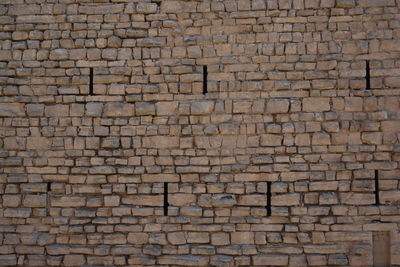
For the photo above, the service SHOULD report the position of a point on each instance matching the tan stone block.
(161, 142)
(353, 104)
(38, 143)
(223, 200)
(74, 260)
(242, 238)
(302, 139)
(321, 139)
(176, 238)
(68, 201)
(242, 106)
(372, 138)
(111, 201)
(12, 109)
(116, 109)
(138, 238)
(357, 199)
(278, 106)
(35, 201)
(145, 109)
(181, 199)
(271, 140)
(316, 104)
(11, 201)
(17, 212)
(389, 197)
(220, 239)
(275, 260)
(291, 199)
(57, 111)
(167, 108)
(253, 200)
(198, 237)
(184, 260)
(144, 200)
(390, 126)
(201, 107)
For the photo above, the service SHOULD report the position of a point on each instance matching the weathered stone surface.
(202, 107)
(278, 106)
(12, 109)
(161, 142)
(118, 110)
(184, 260)
(316, 104)
(275, 260)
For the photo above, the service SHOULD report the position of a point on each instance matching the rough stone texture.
(276, 165)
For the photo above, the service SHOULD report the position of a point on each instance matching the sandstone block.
(278, 106)
(291, 199)
(68, 201)
(176, 238)
(321, 139)
(17, 212)
(93, 109)
(357, 199)
(271, 140)
(223, 200)
(161, 142)
(274, 260)
(181, 199)
(389, 197)
(242, 238)
(145, 109)
(35, 201)
(74, 260)
(372, 138)
(59, 54)
(138, 238)
(117, 109)
(184, 260)
(202, 107)
(252, 200)
(144, 200)
(57, 111)
(12, 109)
(38, 143)
(316, 104)
(167, 108)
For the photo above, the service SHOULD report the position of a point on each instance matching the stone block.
(271, 140)
(316, 104)
(38, 143)
(273, 260)
(12, 109)
(145, 109)
(181, 199)
(278, 106)
(74, 260)
(117, 109)
(389, 197)
(35, 201)
(201, 107)
(184, 260)
(57, 111)
(138, 238)
(161, 142)
(253, 200)
(291, 199)
(68, 201)
(167, 108)
(242, 238)
(176, 238)
(35, 110)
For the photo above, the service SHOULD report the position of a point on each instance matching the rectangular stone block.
(316, 104)
(12, 109)
(161, 142)
(270, 260)
(68, 201)
(144, 200)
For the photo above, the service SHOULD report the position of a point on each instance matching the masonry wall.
(290, 159)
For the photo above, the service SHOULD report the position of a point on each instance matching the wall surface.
(276, 165)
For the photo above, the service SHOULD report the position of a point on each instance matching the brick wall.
(195, 133)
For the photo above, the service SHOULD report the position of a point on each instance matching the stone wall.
(118, 149)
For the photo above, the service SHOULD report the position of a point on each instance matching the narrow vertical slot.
(269, 194)
(48, 197)
(91, 82)
(367, 75)
(376, 187)
(48, 186)
(205, 79)
(166, 204)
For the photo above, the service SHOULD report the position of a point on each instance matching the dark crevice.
(48, 186)
(205, 77)
(376, 187)
(91, 82)
(166, 204)
(367, 75)
(269, 195)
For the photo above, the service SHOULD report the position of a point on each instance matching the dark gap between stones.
(205, 74)
(166, 204)
(269, 195)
